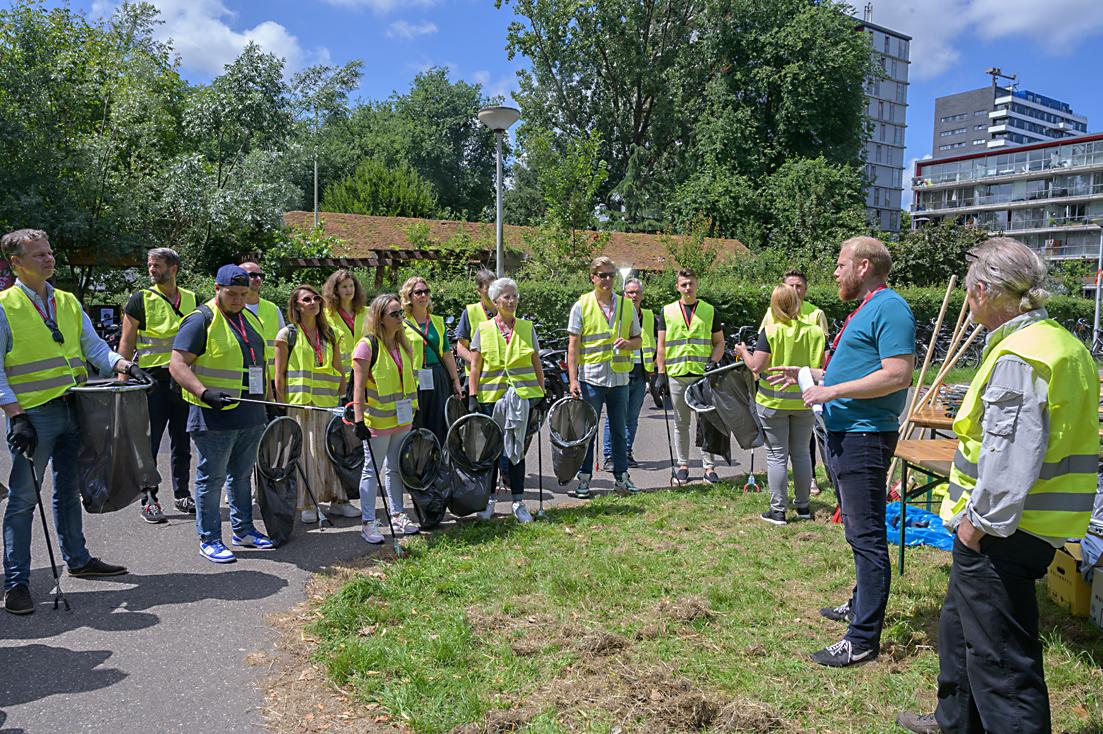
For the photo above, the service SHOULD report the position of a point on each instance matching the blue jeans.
(225, 458)
(59, 442)
(860, 464)
(637, 390)
(617, 400)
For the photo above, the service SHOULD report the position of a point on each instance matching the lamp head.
(499, 119)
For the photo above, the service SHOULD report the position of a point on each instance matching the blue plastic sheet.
(923, 528)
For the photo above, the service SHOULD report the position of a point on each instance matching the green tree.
(375, 188)
(928, 256)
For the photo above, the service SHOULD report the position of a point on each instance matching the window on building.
(952, 146)
(955, 131)
(979, 141)
(877, 153)
(951, 118)
(979, 127)
(980, 113)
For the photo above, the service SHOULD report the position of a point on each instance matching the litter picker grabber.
(669, 442)
(58, 595)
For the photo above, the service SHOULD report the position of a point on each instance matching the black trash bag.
(346, 452)
(733, 393)
(572, 424)
(278, 457)
(712, 434)
(454, 409)
(115, 463)
(473, 446)
(421, 466)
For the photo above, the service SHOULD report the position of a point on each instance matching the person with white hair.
(1023, 480)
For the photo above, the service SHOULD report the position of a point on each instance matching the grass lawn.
(672, 611)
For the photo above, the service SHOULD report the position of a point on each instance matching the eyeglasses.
(309, 299)
(55, 332)
(421, 292)
(257, 275)
(604, 276)
(632, 293)
(394, 314)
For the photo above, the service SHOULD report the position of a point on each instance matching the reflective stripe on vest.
(307, 383)
(1059, 503)
(385, 387)
(222, 364)
(417, 340)
(647, 335)
(37, 367)
(597, 336)
(687, 349)
(154, 342)
(795, 343)
(506, 365)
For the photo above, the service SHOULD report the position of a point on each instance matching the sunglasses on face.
(257, 275)
(603, 276)
(394, 314)
(309, 299)
(421, 292)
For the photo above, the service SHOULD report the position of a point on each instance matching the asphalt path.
(162, 648)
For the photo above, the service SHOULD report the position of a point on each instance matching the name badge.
(425, 379)
(256, 381)
(405, 411)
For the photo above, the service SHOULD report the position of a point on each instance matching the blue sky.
(1053, 45)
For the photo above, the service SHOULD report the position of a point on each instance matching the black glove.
(137, 373)
(710, 366)
(472, 404)
(22, 437)
(662, 383)
(362, 431)
(541, 403)
(217, 399)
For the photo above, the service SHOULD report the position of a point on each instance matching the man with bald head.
(863, 391)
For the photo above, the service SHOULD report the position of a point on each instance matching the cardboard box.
(1066, 586)
(1097, 597)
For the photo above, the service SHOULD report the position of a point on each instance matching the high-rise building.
(886, 112)
(999, 117)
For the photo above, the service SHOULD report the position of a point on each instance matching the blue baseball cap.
(232, 275)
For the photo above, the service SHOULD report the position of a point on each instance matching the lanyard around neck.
(241, 330)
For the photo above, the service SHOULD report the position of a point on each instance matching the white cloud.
(410, 31)
(200, 32)
(380, 6)
(503, 86)
(939, 27)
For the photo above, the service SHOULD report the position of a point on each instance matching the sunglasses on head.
(604, 276)
(394, 314)
(257, 275)
(421, 291)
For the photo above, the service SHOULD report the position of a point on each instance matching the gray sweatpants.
(788, 433)
(678, 387)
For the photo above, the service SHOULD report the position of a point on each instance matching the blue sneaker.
(216, 552)
(254, 539)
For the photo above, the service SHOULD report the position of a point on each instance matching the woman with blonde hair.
(433, 360)
(309, 372)
(787, 423)
(384, 387)
(345, 309)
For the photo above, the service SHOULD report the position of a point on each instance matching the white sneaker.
(309, 517)
(370, 533)
(343, 509)
(521, 512)
(487, 513)
(403, 526)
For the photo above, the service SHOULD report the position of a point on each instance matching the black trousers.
(990, 677)
(431, 404)
(168, 409)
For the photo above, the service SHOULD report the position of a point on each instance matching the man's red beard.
(850, 288)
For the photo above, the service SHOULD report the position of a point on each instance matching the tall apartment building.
(886, 112)
(995, 117)
(1047, 195)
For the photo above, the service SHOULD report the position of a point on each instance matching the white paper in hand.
(805, 381)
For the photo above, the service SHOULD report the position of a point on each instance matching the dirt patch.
(499, 721)
(600, 643)
(686, 609)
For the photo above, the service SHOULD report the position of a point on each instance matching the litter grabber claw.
(751, 485)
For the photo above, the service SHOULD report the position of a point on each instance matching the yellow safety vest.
(385, 387)
(809, 313)
(597, 336)
(475, 316)
(162, 323)
(506, 365)
(37, 367)
(222, 364)
(347, 337)
(1059, 504)
(797, 343)
(647, 349)
(418, 342)
(268, 314)
(309, 383)
(687, 349)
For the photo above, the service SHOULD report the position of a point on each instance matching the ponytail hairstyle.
(784, 303)
(1011, 271)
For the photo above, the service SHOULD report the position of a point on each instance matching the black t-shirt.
(660, 323)
(763, 344)
(136, 309)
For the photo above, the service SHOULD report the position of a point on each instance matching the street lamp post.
(499, 119)
(1098, 222)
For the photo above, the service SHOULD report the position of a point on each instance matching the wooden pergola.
(382, 260)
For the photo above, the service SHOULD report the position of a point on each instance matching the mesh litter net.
(278, 455)
(572, 424)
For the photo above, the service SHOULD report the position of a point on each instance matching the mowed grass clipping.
(669, 611)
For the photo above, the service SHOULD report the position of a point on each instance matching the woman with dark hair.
(345, 310)
(309, 372)
(433, 361)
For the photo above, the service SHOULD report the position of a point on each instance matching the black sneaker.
(918, 723)
(96, 567)
(843, 654)
(777, 518)
(185, 504)
(17, 600)
(151, 513)
(632, 463)
(711, 476)
(804, 513)
(608, 464)
(840, 613)
(681, 476)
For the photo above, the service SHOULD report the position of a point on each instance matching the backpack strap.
(292, 337)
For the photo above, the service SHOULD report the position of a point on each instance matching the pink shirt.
(362, 353)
